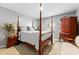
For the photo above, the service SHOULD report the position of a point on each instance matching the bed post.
(40, 42)
(17, 25)
(51, 30)
(18, 29)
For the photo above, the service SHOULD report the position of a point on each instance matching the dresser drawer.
(68, 36)
(11, 41)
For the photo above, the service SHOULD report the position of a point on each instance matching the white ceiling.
(32, 9)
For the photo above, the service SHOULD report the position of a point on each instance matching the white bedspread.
(32, 37)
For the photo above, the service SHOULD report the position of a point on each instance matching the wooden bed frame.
(43, 43)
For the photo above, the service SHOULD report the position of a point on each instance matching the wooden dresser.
(68, 28)
(11, 41)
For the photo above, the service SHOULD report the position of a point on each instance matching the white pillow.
(77, 41)
(23, 28)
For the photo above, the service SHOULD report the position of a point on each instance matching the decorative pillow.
(30, 28)
(77, 41)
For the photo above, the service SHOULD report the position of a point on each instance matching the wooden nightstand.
(11, 41)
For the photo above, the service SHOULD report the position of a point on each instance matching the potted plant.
(9, 28)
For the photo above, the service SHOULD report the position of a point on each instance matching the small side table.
(11, 41)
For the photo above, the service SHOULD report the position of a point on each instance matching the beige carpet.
(64, 48)
(56, 50)
(9, 51)
(69, 49)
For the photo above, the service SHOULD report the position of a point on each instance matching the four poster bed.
(32, 38)
(36, 39)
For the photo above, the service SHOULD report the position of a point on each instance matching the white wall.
(46, 23)
(11, 16)
(8, 16)
(25, 21)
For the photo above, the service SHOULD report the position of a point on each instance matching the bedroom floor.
(59, 48)
(21, 49)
